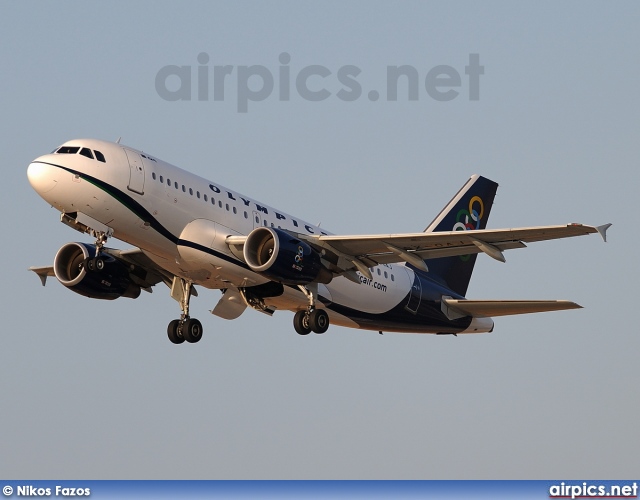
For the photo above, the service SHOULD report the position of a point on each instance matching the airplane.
(189, 231)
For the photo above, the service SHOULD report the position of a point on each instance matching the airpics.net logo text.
(313, 82)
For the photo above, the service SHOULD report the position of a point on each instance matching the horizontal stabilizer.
(454, 308)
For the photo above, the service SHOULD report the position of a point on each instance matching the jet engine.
(281, 257)
(100, 276)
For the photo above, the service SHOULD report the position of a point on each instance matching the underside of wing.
(142, 271)
(454, 308)
(347, 253)
(450, 243)
(385, 249)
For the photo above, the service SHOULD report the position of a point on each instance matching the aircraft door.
(136, 172)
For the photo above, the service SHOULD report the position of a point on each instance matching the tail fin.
(468, 209)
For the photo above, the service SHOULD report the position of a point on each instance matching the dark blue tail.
(469, 209)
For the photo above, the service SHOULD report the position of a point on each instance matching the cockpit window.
(68, 150)
(86, 152)
(99, 156)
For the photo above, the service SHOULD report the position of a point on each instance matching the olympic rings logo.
(469, 220)
(300, 255)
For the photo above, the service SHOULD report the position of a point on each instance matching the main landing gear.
(311, 320)
(185, 328)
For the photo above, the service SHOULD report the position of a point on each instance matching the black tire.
(192, 330)
(91, 265)
(301, 323)
(319, 321)
(99, 264)
(172, 332)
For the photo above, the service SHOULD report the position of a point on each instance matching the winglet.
(43, 273)
(602, 230)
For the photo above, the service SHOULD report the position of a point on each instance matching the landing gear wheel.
(319, 321)
(172, 332)
(99, 264)
(192, 330)
(301, 323)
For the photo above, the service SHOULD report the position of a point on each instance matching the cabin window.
(206, 198)
(227, 206)
(99, 156)
(168, 182)
(198, 194)
(257, 220)
(191, 191)
(153, 174)
(220, 203)
(235, 211)
(175, 184)
(246, 216)
(213, 201)
(378, 271)
(161, 179)
(184, 189)
(385, 275)
(86, 152)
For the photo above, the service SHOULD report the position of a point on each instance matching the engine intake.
(101, 276)
(281, 257)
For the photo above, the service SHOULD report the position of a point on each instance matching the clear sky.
(94, 389)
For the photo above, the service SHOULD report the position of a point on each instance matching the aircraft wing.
(369, 250)
(142, 270)
(346, 253)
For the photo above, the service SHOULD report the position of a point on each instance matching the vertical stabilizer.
(468, 209)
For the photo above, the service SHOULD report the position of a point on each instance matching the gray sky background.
(95, 390)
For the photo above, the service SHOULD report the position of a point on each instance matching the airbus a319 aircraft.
(190, 231)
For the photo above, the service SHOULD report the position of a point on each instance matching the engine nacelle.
(101, 276)
(281, 257)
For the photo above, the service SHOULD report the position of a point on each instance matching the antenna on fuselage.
(118, 141)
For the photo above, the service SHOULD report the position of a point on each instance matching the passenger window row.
(204, 197)
(386, 275)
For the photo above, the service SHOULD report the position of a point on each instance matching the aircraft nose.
(40, 177)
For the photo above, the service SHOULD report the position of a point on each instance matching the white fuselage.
(154, 206)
